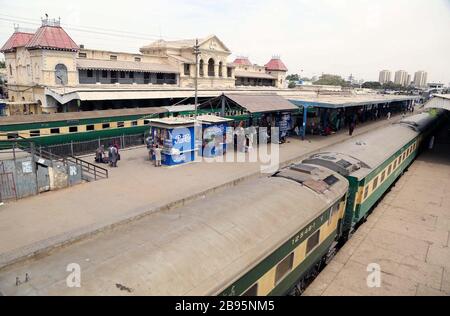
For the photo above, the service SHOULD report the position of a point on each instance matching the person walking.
(389, 116)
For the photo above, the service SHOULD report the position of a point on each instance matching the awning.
(21, 103)
(98, 94)
(255, 75)
(262, 103)
(439, 102)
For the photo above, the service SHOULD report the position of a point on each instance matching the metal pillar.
(305, 115)
(222, 110)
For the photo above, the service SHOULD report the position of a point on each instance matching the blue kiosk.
(214, 135)
(176, 137)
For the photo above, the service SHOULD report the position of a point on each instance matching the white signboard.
(73, 170)
(27, 167)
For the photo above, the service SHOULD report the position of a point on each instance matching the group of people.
(154, 151)
(113, 155)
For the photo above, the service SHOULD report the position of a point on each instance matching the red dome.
(242, 61)
(52, 37)
(275, 64)
(18, 39)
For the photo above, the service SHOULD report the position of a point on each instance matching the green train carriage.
(374, 161)
(59, 128)
(63, 128)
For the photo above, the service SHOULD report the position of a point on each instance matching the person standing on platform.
(351, 128)
(389, 115)
(157, 151)
(99, 154)
(113, 154)
(149, 144)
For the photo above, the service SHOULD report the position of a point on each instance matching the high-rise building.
(420, 79)
(385, 76)
(401, 78)
(408, 80)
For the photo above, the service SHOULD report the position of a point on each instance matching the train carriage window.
(120, 124)
(54, 131)
(383, 175)
(134, 123)
(73, 129)
(35, 133)
(395, 164)
(146, 122)
(12, 135)
(90, 127)
(106, 125)
(366, 192)
(284, 267)
(375, 184)
(389, 169)
(312, 242)
(252, 291)
(333, 210)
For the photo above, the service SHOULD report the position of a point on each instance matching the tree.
(293, 77)
(2, 64)
(393, 86)
(372, 85)
(332, 80)
(292, 85)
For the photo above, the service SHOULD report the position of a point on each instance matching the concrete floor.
(136, 188)
(407, 236)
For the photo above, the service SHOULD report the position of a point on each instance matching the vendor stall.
(175, 135)
(214, 135)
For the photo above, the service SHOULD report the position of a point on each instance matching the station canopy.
(254, 103)
(439, 101)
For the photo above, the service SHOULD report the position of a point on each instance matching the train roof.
(69, 116)
(198, 249)
(419, 122)
(357, 157)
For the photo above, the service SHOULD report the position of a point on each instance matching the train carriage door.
(43, 178)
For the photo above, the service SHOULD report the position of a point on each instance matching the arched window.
(201, 72)
(211, 68)
(10, 69)
(220, 69)
(61, 74)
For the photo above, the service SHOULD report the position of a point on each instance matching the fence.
(87, 147)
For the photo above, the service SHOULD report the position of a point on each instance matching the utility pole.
(196, 53)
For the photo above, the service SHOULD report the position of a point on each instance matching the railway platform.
(135, 189)
(406, 237)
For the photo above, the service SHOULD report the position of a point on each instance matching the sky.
(358, 37)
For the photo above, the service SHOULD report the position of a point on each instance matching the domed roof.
(18, 39)
(275, 64)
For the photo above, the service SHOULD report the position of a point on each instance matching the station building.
(48, 72)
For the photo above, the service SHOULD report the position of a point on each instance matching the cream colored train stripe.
(267, 282)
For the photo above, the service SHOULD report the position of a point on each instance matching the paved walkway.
(407, 236)
(135, 189)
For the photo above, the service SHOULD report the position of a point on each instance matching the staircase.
(89, 171)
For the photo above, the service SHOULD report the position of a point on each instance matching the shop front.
(176, 137)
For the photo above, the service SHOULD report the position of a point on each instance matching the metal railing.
(90, 146)
(87, 168)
